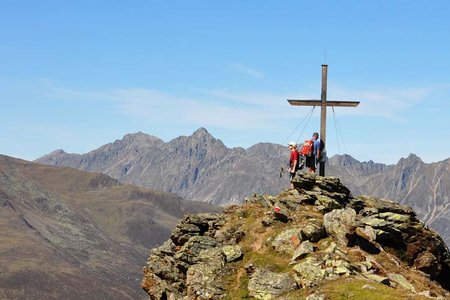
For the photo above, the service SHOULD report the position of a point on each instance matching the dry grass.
(354, 288)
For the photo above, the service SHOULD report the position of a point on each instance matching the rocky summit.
(315, 241)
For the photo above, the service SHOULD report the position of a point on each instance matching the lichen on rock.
(265, 284)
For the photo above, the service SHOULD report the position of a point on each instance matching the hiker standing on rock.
(293, 160)
(317, 149)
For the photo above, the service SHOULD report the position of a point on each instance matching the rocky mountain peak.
(344, 160)
(351, 164)
(201, 132)
(200, 141)
(54, 157)
(315, 241)
(412, 159)
(141, 138)
(267, 150)
(58, 152)
(202, 137)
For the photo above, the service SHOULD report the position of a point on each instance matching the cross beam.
(323, 103)
(319, 103)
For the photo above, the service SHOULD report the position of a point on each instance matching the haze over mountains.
(70, 234)
(200, 167)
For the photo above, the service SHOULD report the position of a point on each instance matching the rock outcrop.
(315, 241)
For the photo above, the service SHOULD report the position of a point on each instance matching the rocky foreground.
(312, 242)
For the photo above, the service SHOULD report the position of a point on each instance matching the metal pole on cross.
(323, 103)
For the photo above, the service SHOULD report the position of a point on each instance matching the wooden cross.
(323, 103)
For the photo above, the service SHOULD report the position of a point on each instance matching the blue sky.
(78, 74)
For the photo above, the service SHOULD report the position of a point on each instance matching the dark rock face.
(427, 262)
(249, 251)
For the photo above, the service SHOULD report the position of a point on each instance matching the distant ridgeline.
(200, 167)
(315, 241)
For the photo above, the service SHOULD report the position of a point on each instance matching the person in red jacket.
(293, 161)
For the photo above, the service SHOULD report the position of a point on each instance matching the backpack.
(308, 148)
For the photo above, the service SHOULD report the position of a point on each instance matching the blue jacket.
(316, 147)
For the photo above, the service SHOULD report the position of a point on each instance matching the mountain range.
(70, 234)
(200, 167)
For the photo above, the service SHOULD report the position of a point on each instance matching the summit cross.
(323, 103)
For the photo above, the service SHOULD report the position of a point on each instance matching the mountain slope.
(77, 235)
(200, 167)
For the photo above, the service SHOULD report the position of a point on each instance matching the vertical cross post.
(323, 114)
